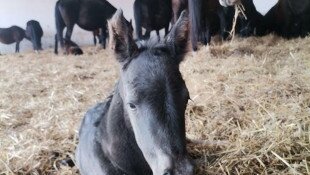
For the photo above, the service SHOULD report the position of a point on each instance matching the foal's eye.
(132, 106)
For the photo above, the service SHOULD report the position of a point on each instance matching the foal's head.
(154, 94)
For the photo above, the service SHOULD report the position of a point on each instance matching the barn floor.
(249, 114)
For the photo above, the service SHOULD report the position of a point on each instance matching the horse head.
(154, 94)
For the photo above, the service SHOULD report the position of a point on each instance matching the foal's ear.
(178, 37)
(122, 41)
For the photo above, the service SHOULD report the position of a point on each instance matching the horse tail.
(137, 16)
(59, 27)
(194, 7)
(36, 34)
(34, 38)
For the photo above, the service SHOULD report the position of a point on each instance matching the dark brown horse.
(152, 15)
(12, 35)
(207, 18)
(88, 14)
(288, 18)
(140, 128)
(292, 18)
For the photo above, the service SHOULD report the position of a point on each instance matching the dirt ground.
(249, 113)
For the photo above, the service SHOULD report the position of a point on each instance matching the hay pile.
(249, 114)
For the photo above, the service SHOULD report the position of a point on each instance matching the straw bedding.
(249, 113)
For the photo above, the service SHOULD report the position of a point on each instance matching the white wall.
(18, 12)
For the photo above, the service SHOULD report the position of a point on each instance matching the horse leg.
(59, 36)
(167, 29)
(195, 15)
(103, 36)
(137, 16)
(223, 23)
(174, 18)
(69, 32)
(147, 35)
(17, 47)
(206, 35)
(158, 35)
(60, 25)
(95, 40)
(175, 9)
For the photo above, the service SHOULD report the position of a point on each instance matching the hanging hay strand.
(239, 10)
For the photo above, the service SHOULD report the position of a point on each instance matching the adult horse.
(287, 18)
(88, 14)
(12, 35)
(34, 34)
(140, 128)
(293, 18)
(207, 18)
(152, 15)
(255, 23)
(177, 7)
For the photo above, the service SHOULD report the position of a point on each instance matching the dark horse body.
(88, 14)
(140, 128)
(288, 18)
(292, 18)
(152, 15)
(34, 33)
(12, 35)
(255, 23)
(207, 18)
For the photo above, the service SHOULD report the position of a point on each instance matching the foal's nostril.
(168, 172)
